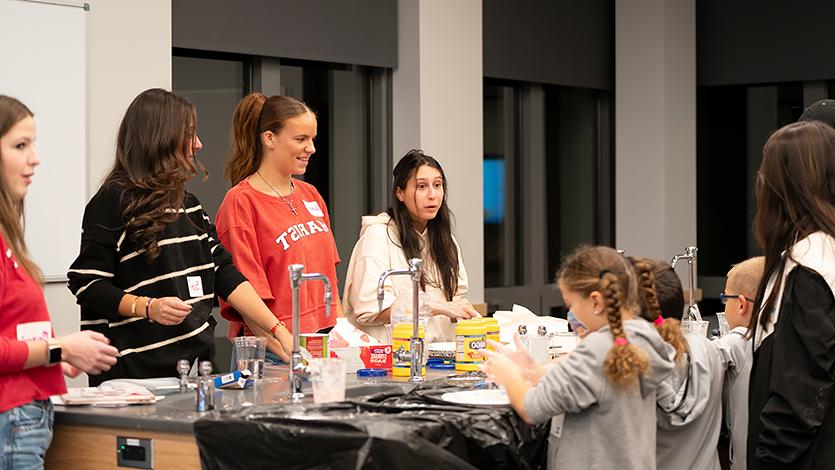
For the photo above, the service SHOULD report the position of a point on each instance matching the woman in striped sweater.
(150, 263)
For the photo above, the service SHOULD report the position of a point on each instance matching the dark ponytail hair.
(669, 328)
(603, 269)
(442, 248)
(254, 114)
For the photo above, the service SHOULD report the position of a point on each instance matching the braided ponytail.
(625, 362)
(668, 328)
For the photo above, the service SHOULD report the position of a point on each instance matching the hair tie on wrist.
(148, 308)
(659, 320)
(621, 341)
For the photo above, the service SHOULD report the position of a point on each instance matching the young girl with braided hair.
(601, 398)
(690, 400)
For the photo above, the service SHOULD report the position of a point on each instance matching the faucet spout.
(297, 368)
(414, 271)
(690, 254)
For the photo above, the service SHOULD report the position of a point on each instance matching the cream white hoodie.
(377, 250)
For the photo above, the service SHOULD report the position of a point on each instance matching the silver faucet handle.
(183, 366)
(205, 368)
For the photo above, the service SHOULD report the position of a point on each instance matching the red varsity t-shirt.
(265, 237)
(22, 304)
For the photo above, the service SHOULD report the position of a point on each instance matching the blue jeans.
(25, 434)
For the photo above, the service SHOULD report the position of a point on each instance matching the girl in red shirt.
(269, 220)
(28, 349)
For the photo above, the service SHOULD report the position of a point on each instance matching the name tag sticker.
(313, 208)
(556, 425)
(195, 286)
(34, 330)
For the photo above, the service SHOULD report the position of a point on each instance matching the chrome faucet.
(689, 255)
(297, 368)
(415, 356)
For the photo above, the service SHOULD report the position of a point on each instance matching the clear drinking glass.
(250, 353)
(327, 375)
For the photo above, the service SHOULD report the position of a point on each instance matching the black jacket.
(791, 420)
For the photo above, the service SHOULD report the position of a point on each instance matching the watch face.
(54, 354)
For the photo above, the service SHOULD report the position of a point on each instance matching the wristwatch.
(53, 352)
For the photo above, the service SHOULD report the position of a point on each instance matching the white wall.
(128, 51)
(437, 106)
(655, 126)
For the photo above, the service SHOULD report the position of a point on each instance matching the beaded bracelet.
(148, 308)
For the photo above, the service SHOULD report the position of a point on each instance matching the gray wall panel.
(560, 42)
(764, 41)
(361, 32)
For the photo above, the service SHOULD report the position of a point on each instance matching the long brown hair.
(442, 247)
(649, 295)
(152, 165)
(12, 112)
(795, 198)
(603, 269)
(254, 114)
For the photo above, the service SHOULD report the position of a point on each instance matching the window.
(547, 186)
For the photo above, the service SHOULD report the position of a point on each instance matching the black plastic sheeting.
(395, 431)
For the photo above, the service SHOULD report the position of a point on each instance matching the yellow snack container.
(401, 336)
(469, 341)
(492, 332)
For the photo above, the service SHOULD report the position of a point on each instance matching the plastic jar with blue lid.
(372, 375)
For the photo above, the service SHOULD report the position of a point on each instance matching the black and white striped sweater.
(109, 266)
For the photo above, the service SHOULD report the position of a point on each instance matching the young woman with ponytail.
(690, 400)
(602, 397)
(270, 220)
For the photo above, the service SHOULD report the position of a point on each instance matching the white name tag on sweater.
(195, 286)
(34, 330)
(557, 424)
(313, 208)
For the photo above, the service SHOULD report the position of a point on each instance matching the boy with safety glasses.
(735, 348)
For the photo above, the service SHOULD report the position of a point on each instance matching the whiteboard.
(44, 65)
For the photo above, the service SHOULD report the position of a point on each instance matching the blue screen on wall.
(493, 191)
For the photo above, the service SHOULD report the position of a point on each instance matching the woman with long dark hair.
(792, 391)
(28, 350)
(418, 225)
(151, 264)
(269, 219)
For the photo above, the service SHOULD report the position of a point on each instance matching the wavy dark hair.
(795, 198)
(441, 245)
(155, 138)
(12, 112)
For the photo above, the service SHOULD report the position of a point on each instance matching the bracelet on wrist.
(148, 308)
(275, 327)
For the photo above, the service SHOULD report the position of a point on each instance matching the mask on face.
(575, 324)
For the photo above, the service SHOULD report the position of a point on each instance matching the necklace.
(289, 202)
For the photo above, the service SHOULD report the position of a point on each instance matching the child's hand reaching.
(500, 369)
(530, 370)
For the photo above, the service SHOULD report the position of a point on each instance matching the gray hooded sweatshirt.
(596, 424)
(690, 409)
